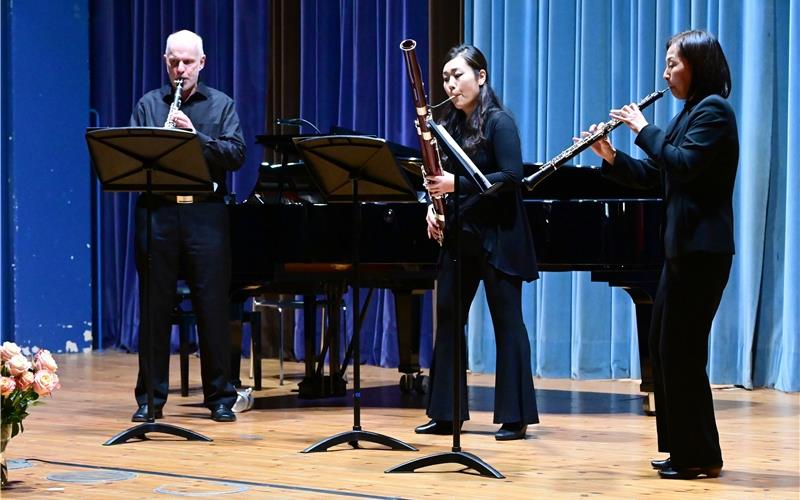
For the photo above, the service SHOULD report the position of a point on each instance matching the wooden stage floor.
(593, 441)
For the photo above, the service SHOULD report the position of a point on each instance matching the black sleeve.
(138, 116)
(628, 171)
(711, 125)
(228, 150)
(502, 133)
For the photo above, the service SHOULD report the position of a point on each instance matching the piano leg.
(334, 384)
(315, 383)
(643, 300)
(408, 312)
(310, 386)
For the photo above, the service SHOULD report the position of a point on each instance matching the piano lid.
(583, 182)
(281, 143)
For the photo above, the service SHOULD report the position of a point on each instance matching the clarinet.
(431, 161)
(176, 104)
(603, 130)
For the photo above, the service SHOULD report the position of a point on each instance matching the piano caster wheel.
(421, 383)
(406, 383)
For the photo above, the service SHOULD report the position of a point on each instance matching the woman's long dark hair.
(469, 131)
(704, 55)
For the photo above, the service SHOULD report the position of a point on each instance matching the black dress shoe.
(435, 427)
(690, 472)
(140, 415)
(221, 413)
(510, 432)
(661, 464)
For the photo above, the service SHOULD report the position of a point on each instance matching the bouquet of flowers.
(23, 382)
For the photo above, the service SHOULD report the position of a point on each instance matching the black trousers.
(689, 293)
(195, 239)
(514, 396)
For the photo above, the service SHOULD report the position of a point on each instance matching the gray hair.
(188, 35)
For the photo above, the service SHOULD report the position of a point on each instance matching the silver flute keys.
(176, 104)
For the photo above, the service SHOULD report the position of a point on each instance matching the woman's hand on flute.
(631, 116)
(601, 147)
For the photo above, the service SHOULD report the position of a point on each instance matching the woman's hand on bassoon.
(439, 185)
(434, 231)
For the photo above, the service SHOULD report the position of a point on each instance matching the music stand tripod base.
(464, 458)
(140, 432)
(353, 437)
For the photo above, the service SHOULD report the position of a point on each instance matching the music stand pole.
(455, 455)
(106, 146)
(355, 173)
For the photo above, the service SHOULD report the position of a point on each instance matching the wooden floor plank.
(593, 441)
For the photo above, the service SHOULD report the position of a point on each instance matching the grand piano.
(285, 241)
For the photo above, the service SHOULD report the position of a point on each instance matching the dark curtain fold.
(126, 48)
(445, 30)
(283, 94)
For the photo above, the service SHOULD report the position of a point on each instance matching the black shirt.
(695, 160)
(499, 219)
(214, 118)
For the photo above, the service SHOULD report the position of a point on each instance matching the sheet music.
(480, 180)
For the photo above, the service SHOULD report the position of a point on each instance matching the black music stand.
(150, 160)
(282, 144)
(456, 455)
(354, 169)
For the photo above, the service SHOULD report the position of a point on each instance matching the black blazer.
(695, 161)
(498, 219)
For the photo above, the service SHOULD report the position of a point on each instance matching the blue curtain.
(560, 66)
(353, 75)
(127, 43)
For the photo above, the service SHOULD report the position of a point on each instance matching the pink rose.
(44, 361)
(45, 382)
(25, 381)
(9, 350)
(17, 365)
(7, 385)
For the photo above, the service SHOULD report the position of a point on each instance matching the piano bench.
(277, 305)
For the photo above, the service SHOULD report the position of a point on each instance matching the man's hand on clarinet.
(182, 121)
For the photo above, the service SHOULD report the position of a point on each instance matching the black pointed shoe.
(435, 427)
(510, 432)
(690, 472)
(140, 415)
(221, 413)
(661, 464)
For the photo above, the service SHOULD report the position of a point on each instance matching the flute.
(603, 130)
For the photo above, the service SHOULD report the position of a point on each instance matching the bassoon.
(603, 130)
(431, 161)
